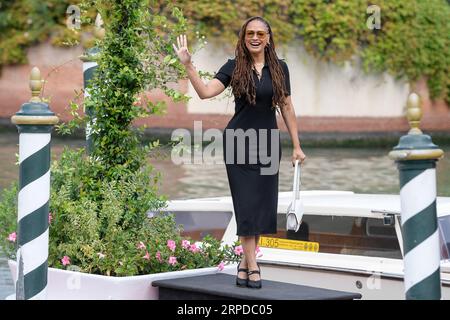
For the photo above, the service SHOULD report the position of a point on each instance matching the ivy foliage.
(134, 57)
(223, 19)
(413, 41)
(27, 22)
(330, 30)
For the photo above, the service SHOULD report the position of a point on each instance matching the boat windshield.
(444, 232)
(341, 235)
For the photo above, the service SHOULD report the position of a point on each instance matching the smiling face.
(256, 36)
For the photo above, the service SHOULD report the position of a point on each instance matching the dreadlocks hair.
(242, 80)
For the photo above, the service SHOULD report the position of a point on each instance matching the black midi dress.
(253, 178)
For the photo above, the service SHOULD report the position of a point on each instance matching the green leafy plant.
(99, 203)
(103, 226)
(136, 56)
(24, 23)
(330, 30)
(412, 43)
(8, 218)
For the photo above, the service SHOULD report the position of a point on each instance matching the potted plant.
(102, 243)
(96, 255)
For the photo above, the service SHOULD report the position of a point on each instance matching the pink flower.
(172, 261)
(194, 248)
(158, 256)
(65, 260)
(12, 237)
(101, 255)
(141, 245)
(171, 244)
(147, 256)
(50, 218)
(238, 250)
(185, 244)
(221, 266)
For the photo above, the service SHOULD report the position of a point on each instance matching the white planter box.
(71, 285)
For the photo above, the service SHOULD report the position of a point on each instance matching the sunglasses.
(259, 34)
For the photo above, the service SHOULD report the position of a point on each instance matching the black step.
(222, 287)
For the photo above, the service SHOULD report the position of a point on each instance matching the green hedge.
(413, 41)
(27, 22)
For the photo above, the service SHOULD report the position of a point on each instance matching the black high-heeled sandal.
(239, 281)
(254, 284)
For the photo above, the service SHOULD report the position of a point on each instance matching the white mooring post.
(35, 122)
(416, 158)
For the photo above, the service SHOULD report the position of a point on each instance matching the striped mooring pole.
(89, 67)
(35, 122)
(416, 158)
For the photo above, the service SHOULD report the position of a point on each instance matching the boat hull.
(372, 286)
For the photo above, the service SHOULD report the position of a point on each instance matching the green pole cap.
(415, 145)
(35, 112)
(90, 54)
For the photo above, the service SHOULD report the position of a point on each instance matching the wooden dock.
(222, 287)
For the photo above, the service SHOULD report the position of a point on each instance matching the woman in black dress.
(252, 150)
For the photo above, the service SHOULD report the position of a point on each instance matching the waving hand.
(182, 50)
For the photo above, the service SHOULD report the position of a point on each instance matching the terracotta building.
(329, 100)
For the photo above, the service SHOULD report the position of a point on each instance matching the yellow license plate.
(279, 243)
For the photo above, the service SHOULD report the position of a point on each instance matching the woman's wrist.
(189, 65)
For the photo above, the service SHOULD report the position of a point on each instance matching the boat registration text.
(279, 243)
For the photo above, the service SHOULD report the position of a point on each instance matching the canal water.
(361, 170)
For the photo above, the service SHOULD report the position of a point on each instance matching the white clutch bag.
(295, 210)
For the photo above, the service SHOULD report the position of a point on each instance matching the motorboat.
(347, 241)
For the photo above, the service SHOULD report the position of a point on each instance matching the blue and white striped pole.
(34, 122)
(416, 158)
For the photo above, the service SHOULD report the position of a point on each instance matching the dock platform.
(222, 287)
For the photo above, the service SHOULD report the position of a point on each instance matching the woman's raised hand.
(182, 50)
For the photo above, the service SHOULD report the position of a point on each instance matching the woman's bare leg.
(243, 264)
(249, 247)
